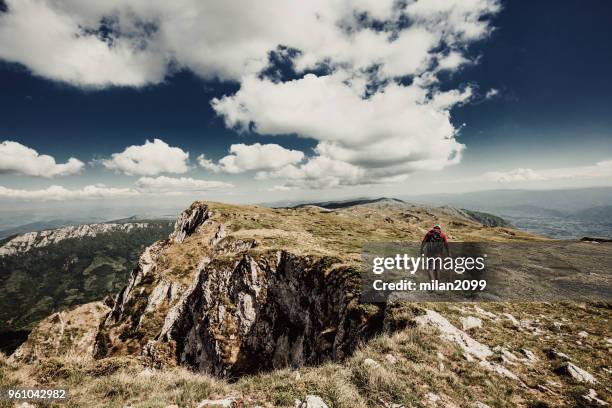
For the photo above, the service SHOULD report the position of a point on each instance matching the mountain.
(488, 220)
(564, 200)
(36, 226)
(602, 214)
(46, 271)
(349, 203)
(251, 306)
(559, 214)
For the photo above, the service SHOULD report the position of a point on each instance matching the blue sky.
(523, 99)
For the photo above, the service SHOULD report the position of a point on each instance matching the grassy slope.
(424, 364)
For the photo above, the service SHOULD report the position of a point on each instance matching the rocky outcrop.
(25, 242)
(471, 348)
(188, 221)
(267, 312)
(240, 309)
(68, 333)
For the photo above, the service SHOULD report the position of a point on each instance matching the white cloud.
(394, 132)
(257, 156)
(58, 193)
(598, 170)
(16, 158)
(319, 172)
(452, 61)
(280, 187)
(144, 38)
(370, 126)
(50, 38)
(150, 159)
(163, 183)
(491, 93)
(520, 174)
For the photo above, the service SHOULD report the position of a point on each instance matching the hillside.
(559, 214)
(253, 306)
(46, 271)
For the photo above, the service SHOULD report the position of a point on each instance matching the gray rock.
(220, 403)
(591, 397)
(188, 221)
(311, 401)
(470, 322)
(370, 363)
(577, 373)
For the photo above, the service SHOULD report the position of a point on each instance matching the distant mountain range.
(50, 270)
(563, 200)
(561, 214)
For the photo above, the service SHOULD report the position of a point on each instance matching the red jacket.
(442, 235)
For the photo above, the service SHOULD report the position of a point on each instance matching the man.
(434, 244)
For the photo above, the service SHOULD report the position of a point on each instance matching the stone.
(391, 359)
(449, 332)
(591, 397)
(577, 373)
(470, 322)
(311, 401)
(553, 353)
(370, 363)
(556, 327)
(530, 355)
(228, 402)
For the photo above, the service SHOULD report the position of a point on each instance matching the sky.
(156, 103)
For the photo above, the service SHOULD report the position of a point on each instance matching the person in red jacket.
(434, 244)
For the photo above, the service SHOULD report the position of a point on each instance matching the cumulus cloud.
(150, 159)
(318, 172)
(598, 170)
(163, 183)
(58, 193)
(371, 124)
(257, 156)
(133, 43)
(63, 45)
(393, 132)
(16, 158)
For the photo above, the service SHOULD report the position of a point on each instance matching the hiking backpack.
(435, 236)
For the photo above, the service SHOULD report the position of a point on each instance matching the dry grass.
(417, 370)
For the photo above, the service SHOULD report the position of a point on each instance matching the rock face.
(267, 312)
(244, 310)
(70, 333)
(188, 221)
(25, 242)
